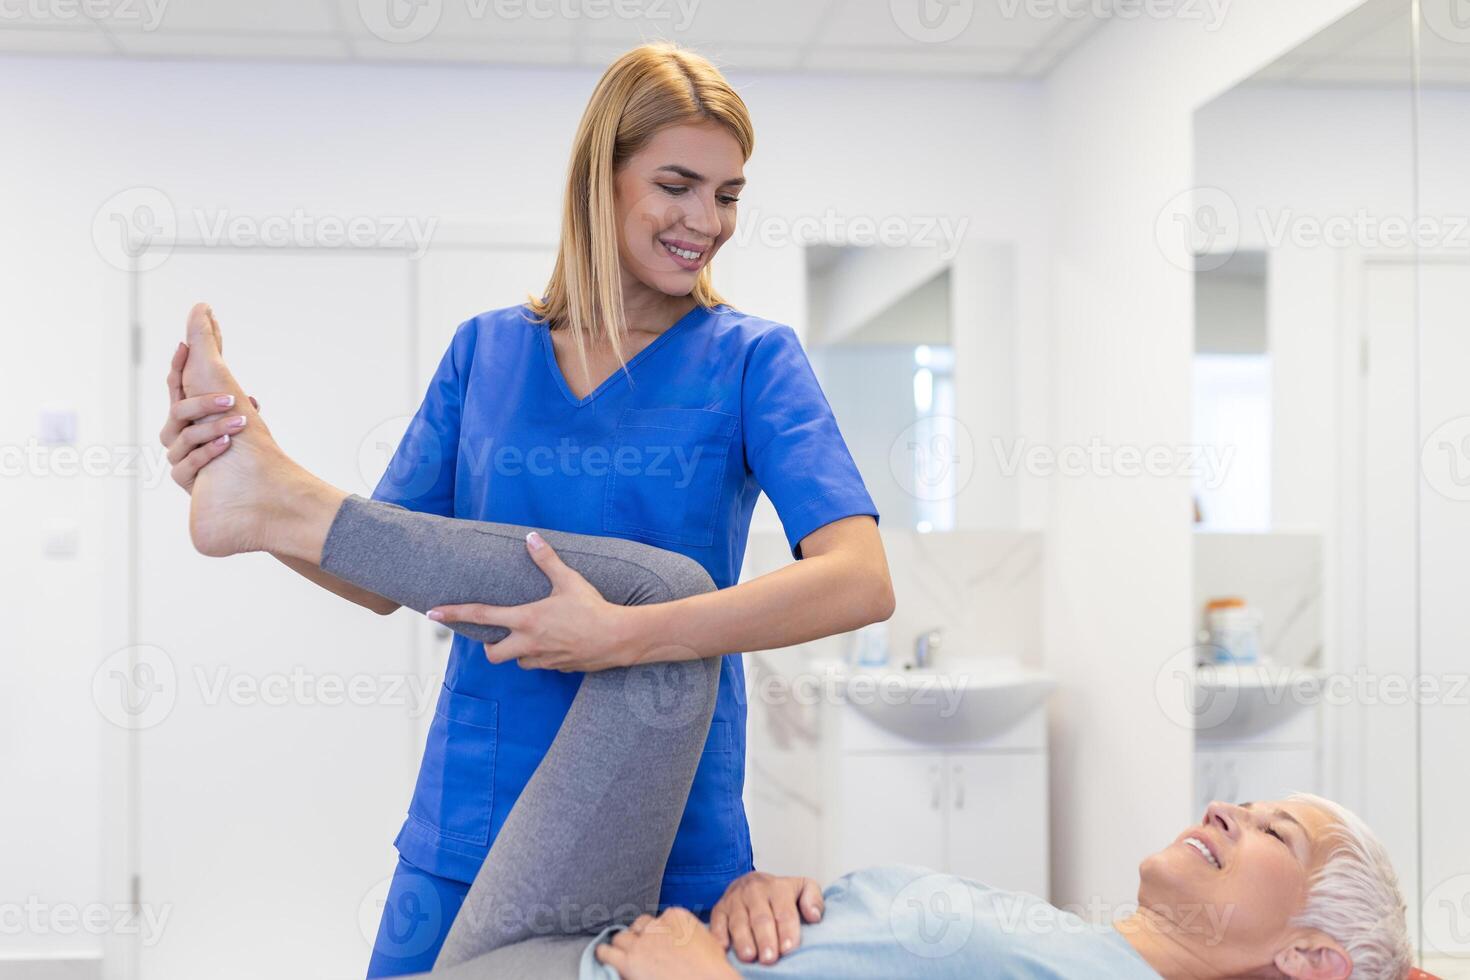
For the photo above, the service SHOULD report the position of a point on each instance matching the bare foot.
(249, 498)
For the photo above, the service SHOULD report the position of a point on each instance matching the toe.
(201, 326)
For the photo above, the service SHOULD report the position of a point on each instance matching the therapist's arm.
(840, 584)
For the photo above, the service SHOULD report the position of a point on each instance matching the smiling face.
(675, 202)
(1235, 881)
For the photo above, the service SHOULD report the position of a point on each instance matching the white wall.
(1117, 564)
(473, 149)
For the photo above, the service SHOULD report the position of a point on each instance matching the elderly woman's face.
(1239, 877)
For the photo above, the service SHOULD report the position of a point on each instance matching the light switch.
(60, 539)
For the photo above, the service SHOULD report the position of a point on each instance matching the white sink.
(1231, 701)
(962, 701)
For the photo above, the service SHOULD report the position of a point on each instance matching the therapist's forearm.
(333, 584)
(840, 588)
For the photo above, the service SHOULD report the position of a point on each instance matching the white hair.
(1354, 897)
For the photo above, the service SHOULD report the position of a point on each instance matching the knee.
(672, 576)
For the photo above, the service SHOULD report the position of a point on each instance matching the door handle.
(958, 774)
(934, 786)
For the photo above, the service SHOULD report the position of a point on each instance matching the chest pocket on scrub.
(667, 474)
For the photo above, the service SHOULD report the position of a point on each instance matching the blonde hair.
(1354, 897)
(649, 88)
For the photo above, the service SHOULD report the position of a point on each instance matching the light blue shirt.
(896, 921)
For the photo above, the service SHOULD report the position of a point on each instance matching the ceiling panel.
(982, 38)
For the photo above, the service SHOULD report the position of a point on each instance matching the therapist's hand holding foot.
(253, 497)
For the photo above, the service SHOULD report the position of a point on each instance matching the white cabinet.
(977, 810)
(1261, 763)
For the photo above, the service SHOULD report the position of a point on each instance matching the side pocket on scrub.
(456, 784)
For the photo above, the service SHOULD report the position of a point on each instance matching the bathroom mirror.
(922, 354)
(1305, 389)
(882, 349)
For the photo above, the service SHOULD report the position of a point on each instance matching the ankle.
(303, 510)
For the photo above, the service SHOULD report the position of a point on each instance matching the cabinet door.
(997, 831)
(1235, 775)
(889, 810)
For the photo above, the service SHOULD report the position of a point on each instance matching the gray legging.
(586, 842)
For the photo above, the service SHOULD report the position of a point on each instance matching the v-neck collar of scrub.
(619, 374)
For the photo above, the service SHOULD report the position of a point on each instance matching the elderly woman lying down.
(1291, 888)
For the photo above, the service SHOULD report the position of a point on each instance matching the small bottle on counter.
(1234, 630)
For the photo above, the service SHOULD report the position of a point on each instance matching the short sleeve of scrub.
(421, 474)
(792, 443)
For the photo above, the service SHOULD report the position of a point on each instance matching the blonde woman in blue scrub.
(629, 400)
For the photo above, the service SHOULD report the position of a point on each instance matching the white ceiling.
(1373, 45)
(991, 38)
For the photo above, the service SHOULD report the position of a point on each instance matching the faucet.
(925, 645)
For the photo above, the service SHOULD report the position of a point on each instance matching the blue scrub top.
(718, 408)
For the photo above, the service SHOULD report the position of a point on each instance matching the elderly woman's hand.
(763, 913)
(674, 946)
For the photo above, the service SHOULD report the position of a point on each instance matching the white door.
(998, 820)
(1387, 727)
(889, 810)
(1444, 298)
(270, 788)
